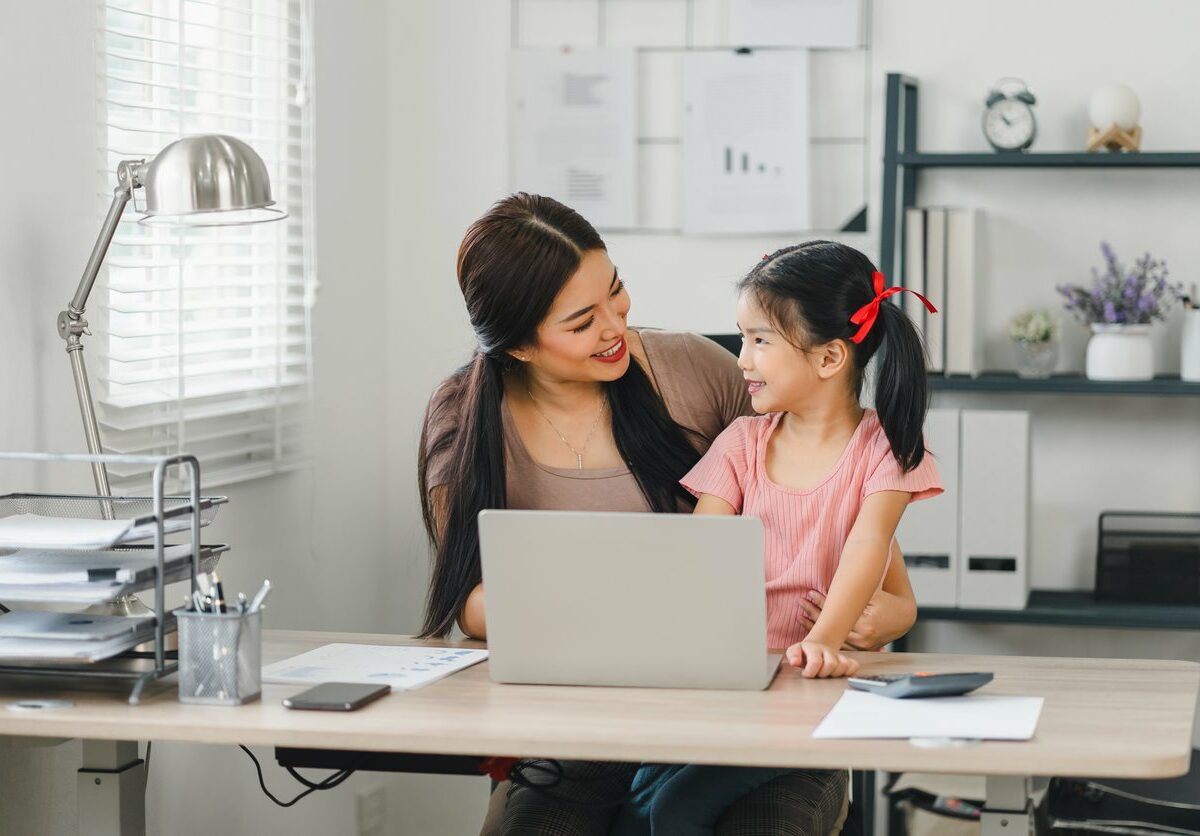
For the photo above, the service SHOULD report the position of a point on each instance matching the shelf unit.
(1062, 384)
(902, 165)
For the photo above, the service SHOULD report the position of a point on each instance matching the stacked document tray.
(83, 550)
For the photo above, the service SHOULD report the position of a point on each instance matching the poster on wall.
(573, 116)
(745, 142)
(804, 23)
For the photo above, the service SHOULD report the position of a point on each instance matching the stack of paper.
(89, 577)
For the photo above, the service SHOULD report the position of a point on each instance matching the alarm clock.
(1008, 122)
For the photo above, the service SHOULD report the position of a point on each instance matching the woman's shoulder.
(699, 380)
(674, 348)
(445, 401)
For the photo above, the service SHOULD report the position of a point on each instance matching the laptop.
(641, 600)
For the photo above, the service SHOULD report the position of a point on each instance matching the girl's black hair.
(512, 264)
(809, 292)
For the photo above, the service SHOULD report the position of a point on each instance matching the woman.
(564, 407)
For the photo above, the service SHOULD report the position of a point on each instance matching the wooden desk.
(468, 714)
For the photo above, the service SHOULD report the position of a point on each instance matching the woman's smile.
(612, 354)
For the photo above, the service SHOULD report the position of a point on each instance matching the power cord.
(325, 784)
(542, 776)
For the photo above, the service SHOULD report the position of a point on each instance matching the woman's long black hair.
(810, 291)
(512, 264)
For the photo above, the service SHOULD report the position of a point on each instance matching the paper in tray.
(41, 651)
(93, 577)
(44, 521)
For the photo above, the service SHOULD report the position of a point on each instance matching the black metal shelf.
(1066, 384)
(1076, 609)
(1055, 159)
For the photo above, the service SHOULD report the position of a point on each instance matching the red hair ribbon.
(865, 316)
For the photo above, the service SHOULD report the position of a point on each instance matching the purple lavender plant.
(1119, 297)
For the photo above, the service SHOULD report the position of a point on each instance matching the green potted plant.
(1035, 334)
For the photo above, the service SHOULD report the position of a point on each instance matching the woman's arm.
(471, 619)
(859, 570)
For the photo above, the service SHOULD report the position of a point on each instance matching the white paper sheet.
(811, 23)
(401, 667)
(574, 130)
(978, 716)
(745, 143)
(48, 566)
(37, 531)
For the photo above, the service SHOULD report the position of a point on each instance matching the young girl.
(828, 478)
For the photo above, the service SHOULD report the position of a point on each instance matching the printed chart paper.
(745, 143)
(399, 666)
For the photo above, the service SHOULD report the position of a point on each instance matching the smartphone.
(337, 696)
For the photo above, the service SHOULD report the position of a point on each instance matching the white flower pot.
(1120, 352)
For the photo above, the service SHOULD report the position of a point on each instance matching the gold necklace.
(563, 438)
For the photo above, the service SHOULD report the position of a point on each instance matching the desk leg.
(1008, 810)
(112, 789)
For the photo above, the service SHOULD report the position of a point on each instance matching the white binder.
(995, 510)
(928, 531)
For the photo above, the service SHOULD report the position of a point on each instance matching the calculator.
(906, 685)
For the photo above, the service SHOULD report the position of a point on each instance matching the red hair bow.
(865, 316)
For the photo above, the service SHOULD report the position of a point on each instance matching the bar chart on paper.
(738, 162)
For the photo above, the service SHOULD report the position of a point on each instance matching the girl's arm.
(890, 614)
(857, 577)
(709, 504)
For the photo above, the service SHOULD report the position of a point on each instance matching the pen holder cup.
(220, 657)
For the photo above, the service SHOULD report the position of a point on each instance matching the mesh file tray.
(69, 548)
(1148, 557)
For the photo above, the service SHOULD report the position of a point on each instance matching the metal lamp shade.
(207, 180)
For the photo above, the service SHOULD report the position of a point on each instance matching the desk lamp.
(202, 180)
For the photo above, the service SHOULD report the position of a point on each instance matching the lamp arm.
(72, 326)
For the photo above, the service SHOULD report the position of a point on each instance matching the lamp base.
(1114, 138)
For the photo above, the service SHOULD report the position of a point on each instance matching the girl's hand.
(886, 618)
(820, 660)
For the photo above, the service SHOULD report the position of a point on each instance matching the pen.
(198, 601)
(260, 596)
(242, 603)
(218, 595)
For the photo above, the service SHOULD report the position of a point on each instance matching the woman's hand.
(818, 659)
(886, 618)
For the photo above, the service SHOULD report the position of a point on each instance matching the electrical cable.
(1178, 805)
(326, 784)
(523, 774)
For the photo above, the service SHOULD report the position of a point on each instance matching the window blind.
(203, 334)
